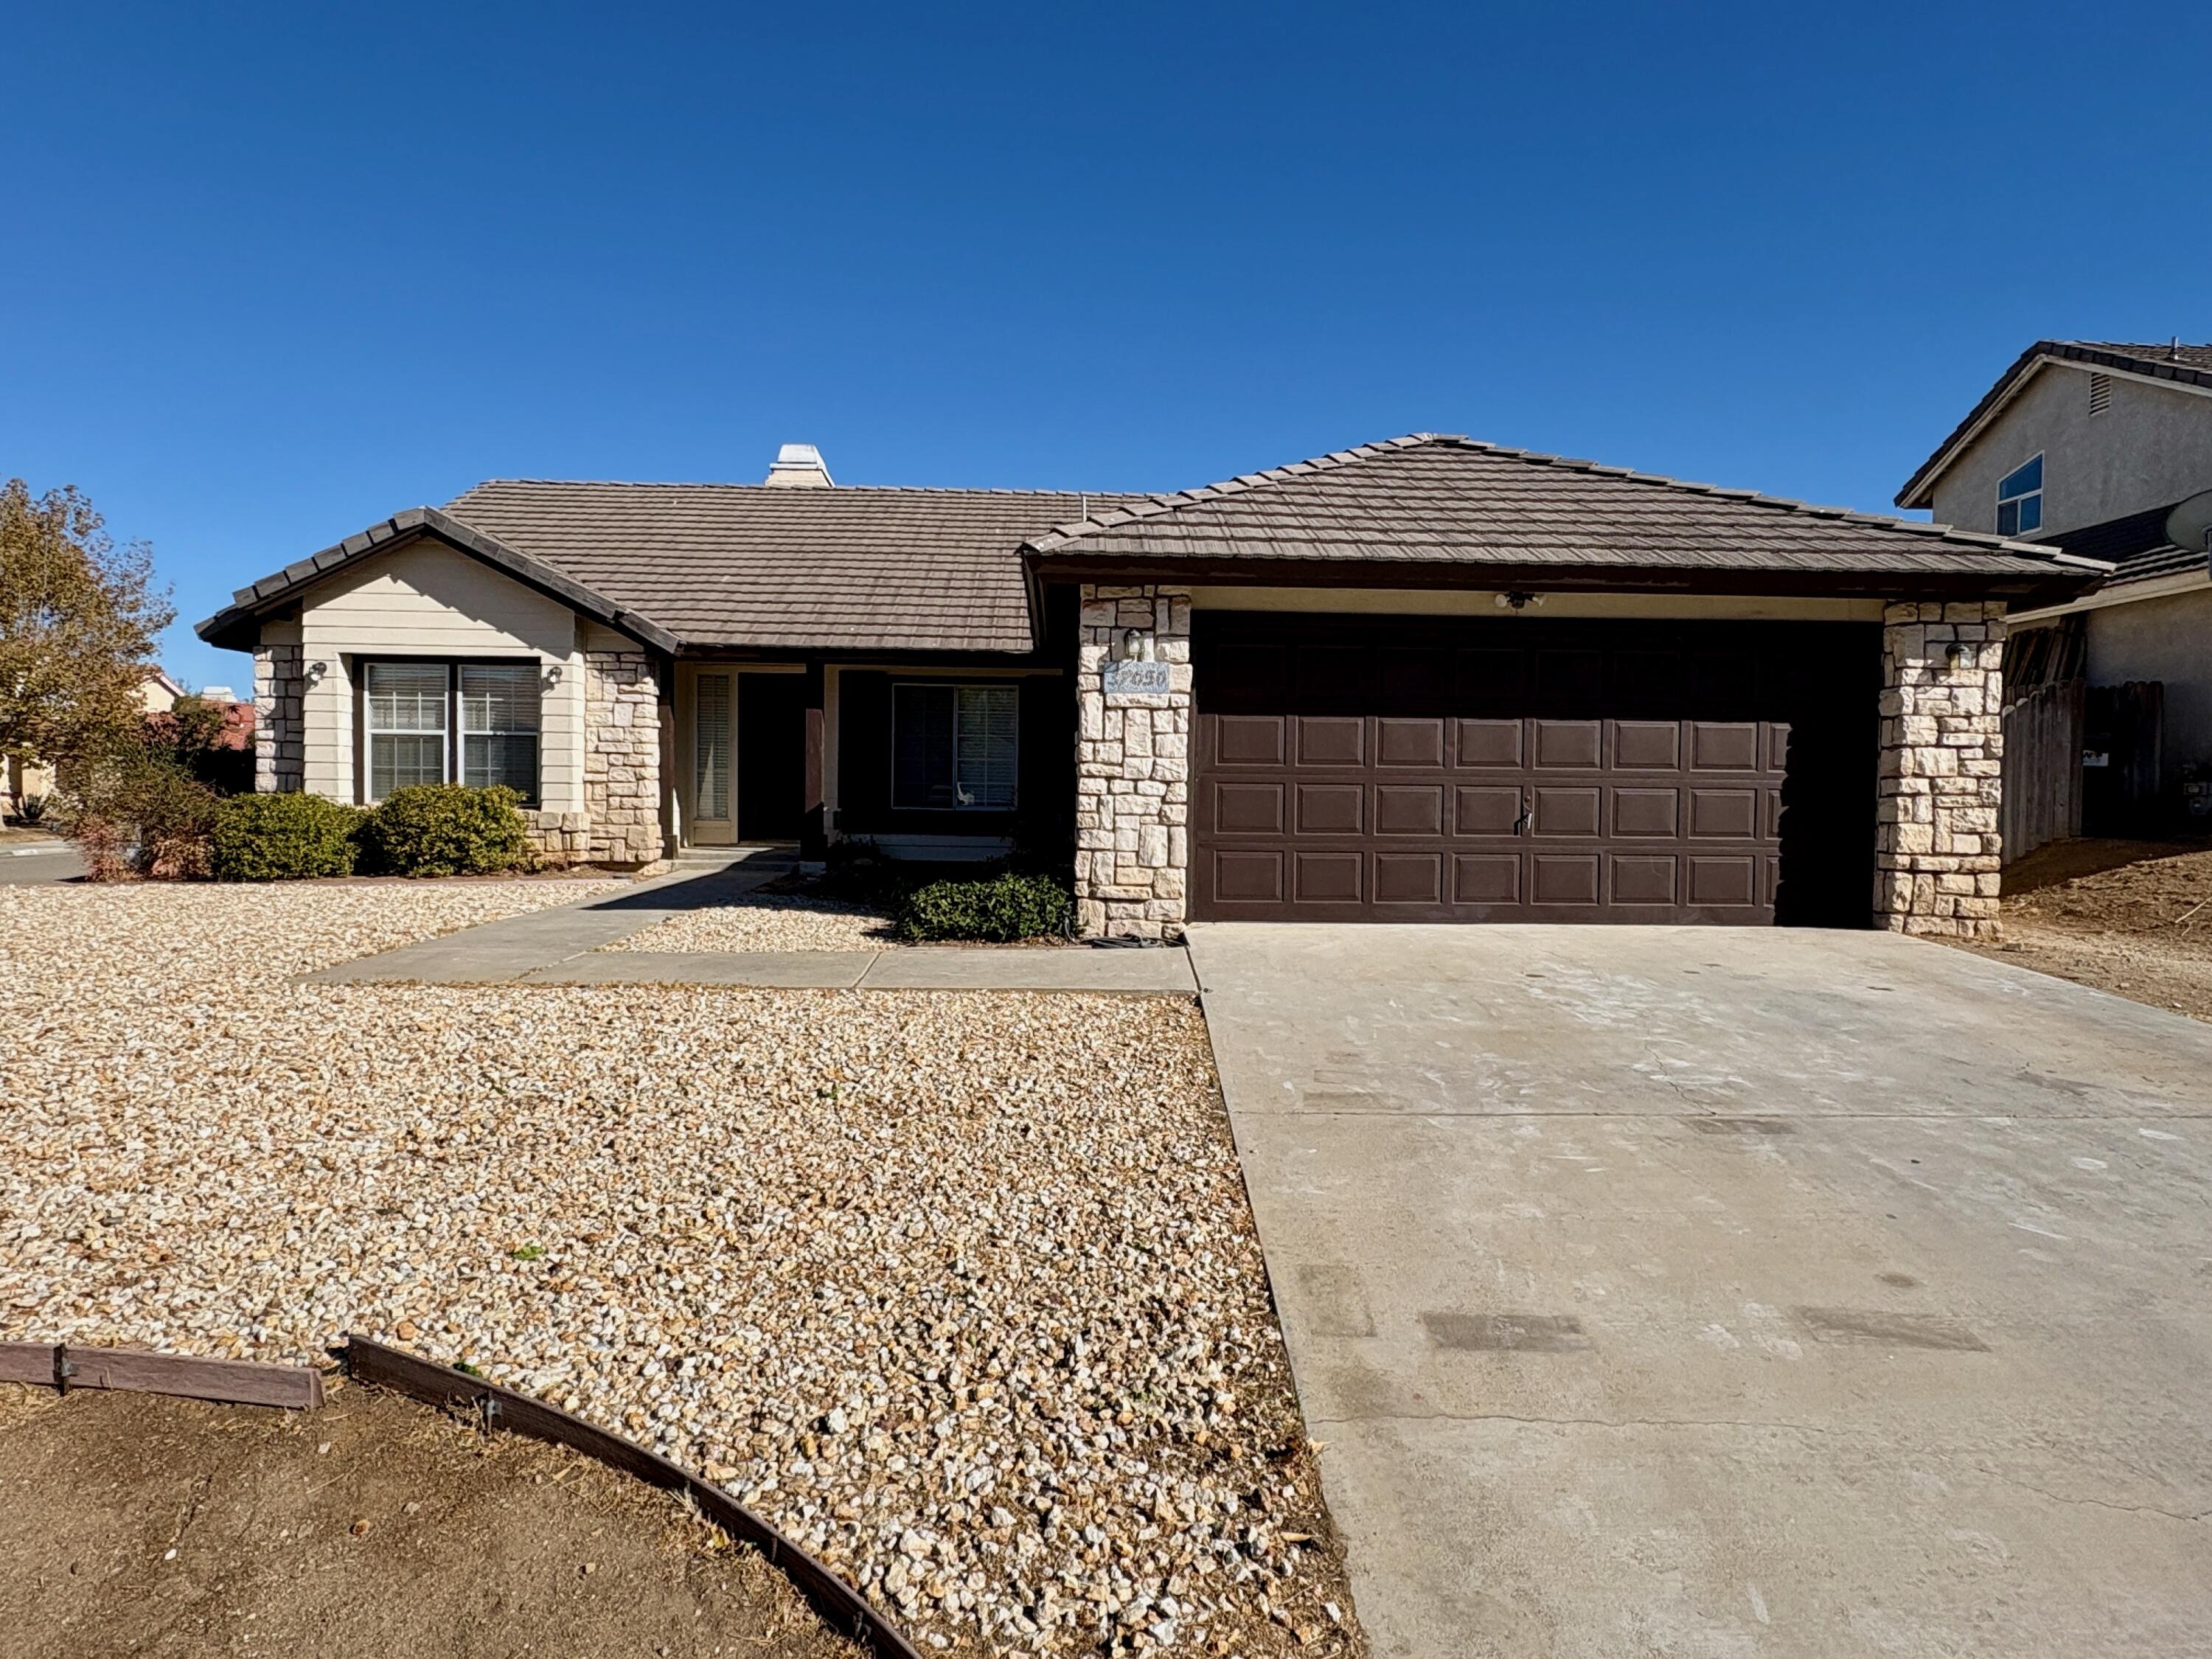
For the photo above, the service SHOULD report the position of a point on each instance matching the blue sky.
(274, 274)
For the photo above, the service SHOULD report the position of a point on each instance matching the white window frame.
(452, 739)
(958, 688)
(2015, 501)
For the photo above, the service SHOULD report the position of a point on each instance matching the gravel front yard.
(769, 921)
(960, 1290)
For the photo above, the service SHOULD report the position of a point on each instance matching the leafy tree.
(78, 617)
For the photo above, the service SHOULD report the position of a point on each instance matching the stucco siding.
(2168, 640)
(2153, 445)
(425, 600)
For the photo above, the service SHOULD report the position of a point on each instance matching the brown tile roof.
(2184, 365)
(2135, 544)
(1437, 499)
(745, 565)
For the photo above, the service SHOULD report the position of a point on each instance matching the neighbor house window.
(451, 722)
(2020, 500)
(953, 746)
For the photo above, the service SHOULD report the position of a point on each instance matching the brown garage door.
(1520, 769)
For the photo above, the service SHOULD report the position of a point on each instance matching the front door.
(771, 755)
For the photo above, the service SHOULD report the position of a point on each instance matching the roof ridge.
(1391, 447)
(1157, 504)
(835, 491)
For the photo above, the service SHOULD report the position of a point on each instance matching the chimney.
(798, 466)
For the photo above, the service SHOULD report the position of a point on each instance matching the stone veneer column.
(1133, 766)
(1942, 749)
(621, 756)
(280, 749)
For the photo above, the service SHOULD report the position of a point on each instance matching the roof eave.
(237, 626)
(2053, 580)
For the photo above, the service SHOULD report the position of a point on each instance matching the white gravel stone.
(1002, 1240)
(768, 922)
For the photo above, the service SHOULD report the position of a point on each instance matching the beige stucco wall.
(2153, 445)
(425, 600)
(2168, 640)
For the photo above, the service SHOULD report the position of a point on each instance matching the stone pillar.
(280, 746)
(1943, 748)
(621, 756)
(1132, 765)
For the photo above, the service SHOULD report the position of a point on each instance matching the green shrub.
(283, 838)
(1005, 907)
(448, 829)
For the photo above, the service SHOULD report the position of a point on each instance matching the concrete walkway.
(565, 946)
(1733, 1291)
(36, 863)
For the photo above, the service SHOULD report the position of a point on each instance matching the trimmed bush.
(1005, 907)
(447, 829)
(284, 838)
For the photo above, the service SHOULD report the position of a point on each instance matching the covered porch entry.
(743, 748)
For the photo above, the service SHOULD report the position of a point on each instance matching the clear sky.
(269, 275)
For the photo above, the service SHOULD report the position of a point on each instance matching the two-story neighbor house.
(2093, 446)
(1428, 679)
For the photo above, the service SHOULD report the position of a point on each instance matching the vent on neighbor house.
(2101, 393)
(799, 467)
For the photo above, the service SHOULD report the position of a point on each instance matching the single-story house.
(1430, 679)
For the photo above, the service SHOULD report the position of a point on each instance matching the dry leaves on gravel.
(960, 1290)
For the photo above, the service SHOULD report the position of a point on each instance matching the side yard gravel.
(960, 1290)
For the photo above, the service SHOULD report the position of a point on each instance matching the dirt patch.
(133, 1524)
(2131, 917)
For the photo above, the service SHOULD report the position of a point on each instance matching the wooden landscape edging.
(839, 1604)
(231, 1382)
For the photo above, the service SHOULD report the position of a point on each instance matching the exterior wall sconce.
(552, 675)
(1957, 656)
(316, 671)
(1515, 599)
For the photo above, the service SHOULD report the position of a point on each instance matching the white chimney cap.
(799, 465)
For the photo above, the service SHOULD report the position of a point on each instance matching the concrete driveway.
(1703, 1292)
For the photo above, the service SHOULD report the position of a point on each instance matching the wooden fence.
(2042, 768)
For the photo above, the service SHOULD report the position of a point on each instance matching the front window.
(2020, 500)
(954, 746)
(445, 722)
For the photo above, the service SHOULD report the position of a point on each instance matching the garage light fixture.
(1958, 655)
(1514, 600)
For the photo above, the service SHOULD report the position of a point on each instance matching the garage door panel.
(1248, 809)
(1399, 741)
(1569, 879)
(1332, 809)
(1643, 813)
(1486, 808)
(1490, 742)
(1566, 811)
(1723, 746)
(1409, 878)
(1331, 740)
(1486, 878)
(1248, 740)
(1566, 744)
(1723, 814)
(1403, 809)
(1643, 879)
(1647, 745)
(1248, 877)
(1390, 768)
(1722, 881)
(1323, 878)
